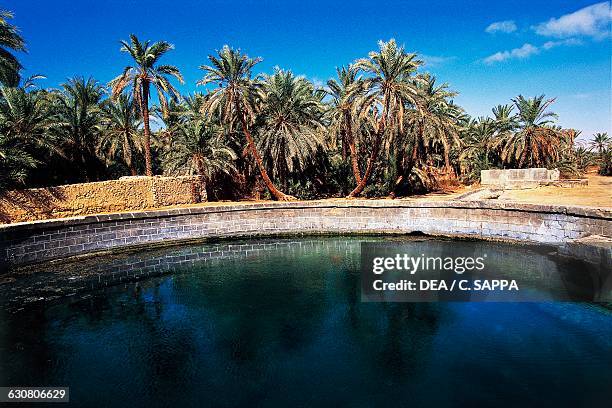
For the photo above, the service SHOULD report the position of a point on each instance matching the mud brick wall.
(125, 194)
(45, 240)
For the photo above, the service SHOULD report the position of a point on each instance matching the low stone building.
(518, 178)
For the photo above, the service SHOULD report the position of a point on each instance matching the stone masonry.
(45, 240)
(518, 178)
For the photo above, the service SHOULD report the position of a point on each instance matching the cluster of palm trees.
(380, 128)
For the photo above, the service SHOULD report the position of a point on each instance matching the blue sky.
(489, 51)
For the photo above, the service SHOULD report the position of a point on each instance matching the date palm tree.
(23, 126)
(77, 123)
(147, 73)
(477, 138)
(504, 119)
(389, 87)
(434, 120)
(120, 136)
(345, 92)
(234, 101)
(290, 124)
(198, 149)
(10, 39)
(600, 142)
(535, 142)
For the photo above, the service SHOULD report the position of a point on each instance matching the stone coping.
(576, 211)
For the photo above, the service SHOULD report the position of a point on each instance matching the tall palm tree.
(345, 92)
(290, 124)
(600, 142)
(77, 123)
(390, 86)
(234, 100)
(535, 142)
(198, 149)
(120, 136)
(144, 75)
(10, 39)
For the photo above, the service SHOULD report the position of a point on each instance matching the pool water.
(283, 325)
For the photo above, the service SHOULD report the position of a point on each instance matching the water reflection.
(285, 326)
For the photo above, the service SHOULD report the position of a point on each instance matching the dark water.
(284, 326)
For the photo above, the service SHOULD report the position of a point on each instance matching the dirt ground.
(597, 194)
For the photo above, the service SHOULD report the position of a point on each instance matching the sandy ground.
(597, 194)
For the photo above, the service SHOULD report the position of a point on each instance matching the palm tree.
(77, 123)
(475, 153)
(23, 123)
(344, 93)
(9, 40)
(434, 120)
(120, 135)
(141, 77)
(234, 100)
(290, 123)
(15, 161)
(605, 159)
(535, 142)
(23, 114)
(390, 87)
(600, 142)
(198, 149)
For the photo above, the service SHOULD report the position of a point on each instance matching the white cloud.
(523, 52)
(552, 44)
(591, 21)
(435, 60)
(507, 26)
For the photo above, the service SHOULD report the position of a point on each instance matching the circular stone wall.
(44, 240)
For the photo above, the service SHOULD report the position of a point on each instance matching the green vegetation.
(9, 40)
(381, 128)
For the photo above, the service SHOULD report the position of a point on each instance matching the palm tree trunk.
(344, 144)
(127, 152)
(361, 184)
(276, 193)
(199, 166)
(144, 104)
(353, 150)
(374, 155)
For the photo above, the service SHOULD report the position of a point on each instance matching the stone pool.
(280, 322)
